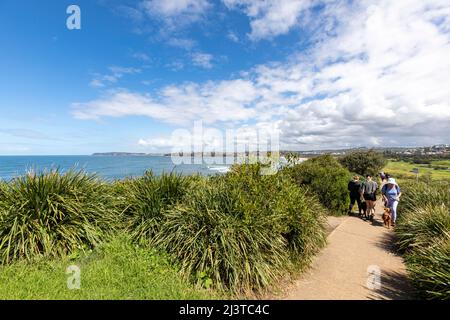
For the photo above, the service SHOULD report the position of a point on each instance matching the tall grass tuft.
(146, 200)
(238, 232)
(423, 226)
(52, 214)
(423, 232)
(429, 267)
(420, 194)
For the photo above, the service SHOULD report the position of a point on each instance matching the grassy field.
(437, 170)
(118, 270)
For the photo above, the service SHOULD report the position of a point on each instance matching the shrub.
(429, 269)
(145, 200)
(327, 178)
(423, 232)
(52, 214)
(364, 162)
(236, 232)
(423, 226)
(302, 222)
(417, 195)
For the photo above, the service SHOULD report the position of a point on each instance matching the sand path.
(358, 253)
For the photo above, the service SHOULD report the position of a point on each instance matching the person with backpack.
(384, 178)
(354, 188)
(391, 194)
(369, 190)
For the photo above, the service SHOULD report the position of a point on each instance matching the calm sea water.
(108, 167)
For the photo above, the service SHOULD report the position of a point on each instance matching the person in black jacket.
(354, 188)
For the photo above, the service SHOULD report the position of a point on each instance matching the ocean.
(107, 167)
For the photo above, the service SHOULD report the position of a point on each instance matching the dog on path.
(387, 217)
(364, 209)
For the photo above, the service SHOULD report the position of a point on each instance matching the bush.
(417, 195)
(146, 199)
(240, 231)
(52, 214)
(327, 178)
(423, 232)
(423, 226)
(364, 162)
(429, 267)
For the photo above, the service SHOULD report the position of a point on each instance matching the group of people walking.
(364, 194)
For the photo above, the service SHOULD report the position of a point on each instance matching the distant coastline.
(436, 150)
(126, 154)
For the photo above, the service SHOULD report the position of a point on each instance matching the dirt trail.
(340, 271)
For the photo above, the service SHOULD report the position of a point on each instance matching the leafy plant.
(417, 195)
(423, 226)
(240, 231)
(145, 200)
(52, 214)
(423, 232)
(429, 269)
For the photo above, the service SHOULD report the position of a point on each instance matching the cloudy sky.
(322, 73)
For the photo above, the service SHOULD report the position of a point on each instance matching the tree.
(327, 178)
(364, 162)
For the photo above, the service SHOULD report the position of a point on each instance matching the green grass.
(117, 270)
(402, 169)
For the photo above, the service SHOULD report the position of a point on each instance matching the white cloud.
(380, 80)
(175, 7)
(116, 72)
(158, 142)
(203, 60)
(141, 56)
(183, 43)
(271, 18)
(378, 77)
(212, 102)
(175, 13)
(232, 36)
(175, 65)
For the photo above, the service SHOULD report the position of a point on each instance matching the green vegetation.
(326, 177)
(54, 214)
(435, 171)
(424, 235)
(146, 199)
(175, 237)
(417, 158)
(243, 230)
(364, 162)
(116, 270)
(234, 234)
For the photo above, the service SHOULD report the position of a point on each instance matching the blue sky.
(324, 74)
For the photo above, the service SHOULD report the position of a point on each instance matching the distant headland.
(118, 154)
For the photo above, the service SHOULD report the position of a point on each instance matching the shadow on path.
(394, 286)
